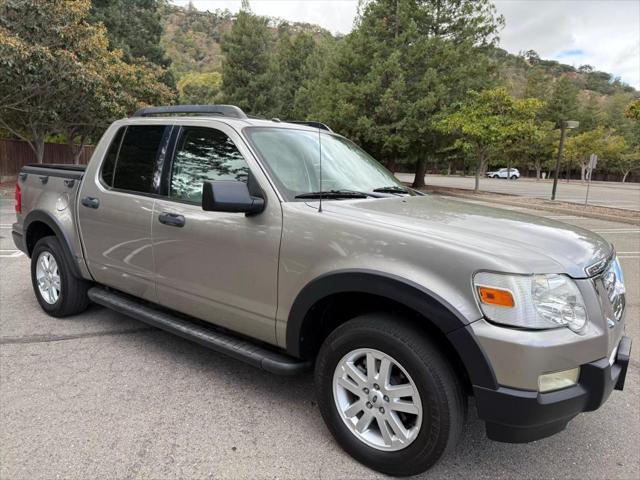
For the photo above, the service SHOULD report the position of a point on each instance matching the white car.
(511, 173)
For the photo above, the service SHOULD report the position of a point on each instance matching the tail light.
(18, 199)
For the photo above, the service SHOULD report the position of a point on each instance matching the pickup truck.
(287, 246)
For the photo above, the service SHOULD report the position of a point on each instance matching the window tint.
(136, 165)
(109, 164)
(204, 154)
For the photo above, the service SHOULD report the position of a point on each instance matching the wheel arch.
(313, 316)
(39, 224)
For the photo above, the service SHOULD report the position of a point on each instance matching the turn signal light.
(495, 296)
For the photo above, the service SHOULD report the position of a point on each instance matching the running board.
(227, 344)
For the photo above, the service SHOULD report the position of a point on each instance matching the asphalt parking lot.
(605, 194)
(102, 396)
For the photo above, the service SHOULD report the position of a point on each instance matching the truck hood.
(526, 243)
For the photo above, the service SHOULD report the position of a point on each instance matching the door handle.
(91, 202)
(172, 219)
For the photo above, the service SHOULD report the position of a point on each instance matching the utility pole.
(558, 160)
(563, 125)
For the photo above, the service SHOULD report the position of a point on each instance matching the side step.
(240, 349)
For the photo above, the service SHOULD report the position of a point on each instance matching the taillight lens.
(18, 199)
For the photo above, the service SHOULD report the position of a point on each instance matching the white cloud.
(601, 33)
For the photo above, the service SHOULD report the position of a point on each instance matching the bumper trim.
(18, 240)
(519, 416)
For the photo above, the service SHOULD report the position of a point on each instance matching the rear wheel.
(58, 291)
(388, 395)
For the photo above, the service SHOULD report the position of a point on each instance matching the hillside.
(191, 39)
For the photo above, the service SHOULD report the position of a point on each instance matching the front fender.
(416, 297)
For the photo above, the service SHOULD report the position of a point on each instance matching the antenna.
(320, 152)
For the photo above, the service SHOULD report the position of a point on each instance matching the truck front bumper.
(520, 416)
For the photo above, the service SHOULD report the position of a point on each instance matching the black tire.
(514, 177)
(443, 401)
(73, 297)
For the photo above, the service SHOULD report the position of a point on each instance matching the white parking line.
(10, 253)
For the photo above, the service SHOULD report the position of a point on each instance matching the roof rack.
(310, 123)
(222, 110)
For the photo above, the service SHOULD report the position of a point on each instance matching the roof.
(237, 123)
(229, 114)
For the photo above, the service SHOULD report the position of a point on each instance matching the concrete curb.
(617, 215)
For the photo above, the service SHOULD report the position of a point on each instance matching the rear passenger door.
(219, 267)
(116, 208)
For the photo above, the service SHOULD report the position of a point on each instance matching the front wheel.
(388, 395)
(58, 291)
(514, 177)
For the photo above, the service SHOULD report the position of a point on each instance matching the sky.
(602, 33)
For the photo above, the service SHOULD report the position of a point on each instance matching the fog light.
(558, 380)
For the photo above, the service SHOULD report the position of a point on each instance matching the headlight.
(531, 301)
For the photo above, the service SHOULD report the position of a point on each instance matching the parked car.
(221, 229)
(510, 173)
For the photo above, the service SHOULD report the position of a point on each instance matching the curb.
(619, 215)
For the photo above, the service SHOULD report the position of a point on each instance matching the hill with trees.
(404, 83)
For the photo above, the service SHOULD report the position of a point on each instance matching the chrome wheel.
(48, 278)
(377, 399)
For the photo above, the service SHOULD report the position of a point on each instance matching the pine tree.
(405, 62)
(246, 70)
(563, 103)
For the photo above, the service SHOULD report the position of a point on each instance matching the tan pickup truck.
(286, 246)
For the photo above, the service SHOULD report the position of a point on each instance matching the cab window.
(204, 154)
(109, 163)
(137, 163)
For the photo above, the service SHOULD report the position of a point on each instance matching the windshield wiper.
(391, 189)
(336, 194)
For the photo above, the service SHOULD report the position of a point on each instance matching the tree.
(633, 110)
(538, 84)
(58, 76)
(603, 143)
(199, 88)
(133, 26)
(405, 61)
(627, 163)
(290, 65)
(247, 69)
(563, 103)
(487, 120)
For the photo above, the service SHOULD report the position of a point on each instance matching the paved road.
(607, 194)
(103, 396)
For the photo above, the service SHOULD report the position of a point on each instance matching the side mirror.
(230, 196)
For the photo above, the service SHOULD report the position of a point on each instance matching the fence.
(14, 154)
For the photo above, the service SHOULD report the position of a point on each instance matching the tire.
(514, 177)
(71, 295)
(440, 396)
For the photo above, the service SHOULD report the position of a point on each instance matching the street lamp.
(562, 125)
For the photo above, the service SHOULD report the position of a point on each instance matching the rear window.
(136, 164)
(109, 164)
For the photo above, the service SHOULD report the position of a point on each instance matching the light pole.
(563, 125)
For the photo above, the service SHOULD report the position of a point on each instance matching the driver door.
(216, 266)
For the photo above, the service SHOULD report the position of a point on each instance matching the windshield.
(293, 158)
